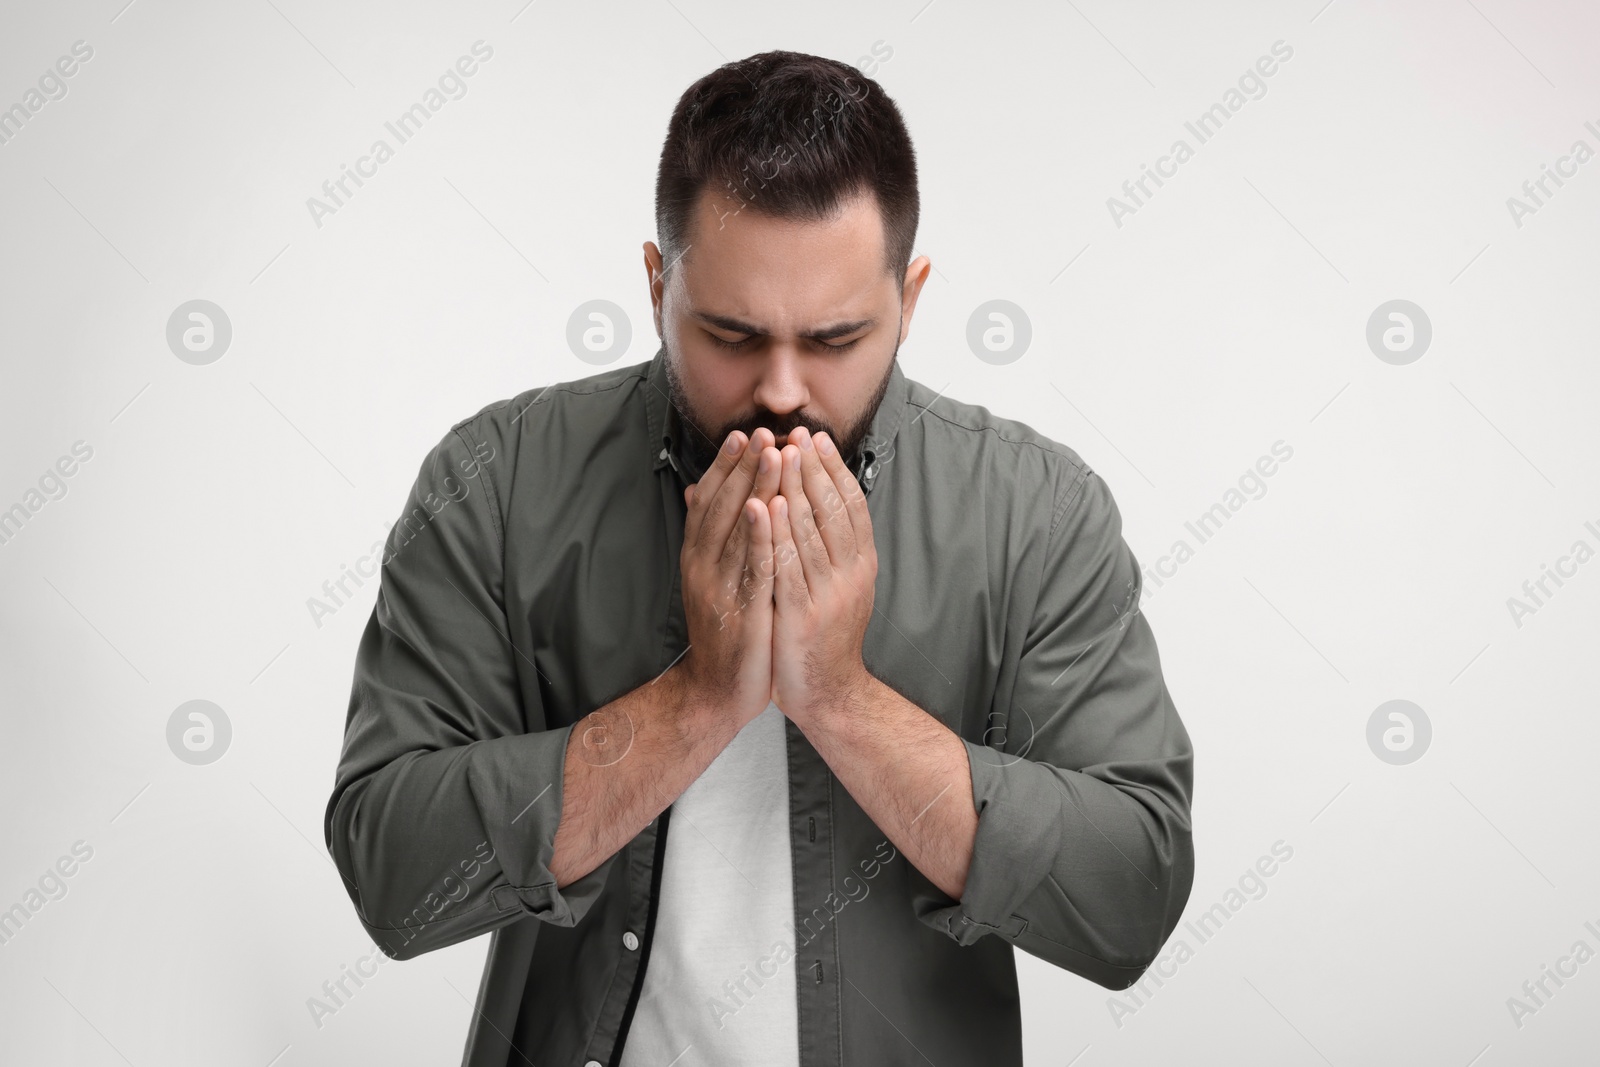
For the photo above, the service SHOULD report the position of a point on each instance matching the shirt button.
(592, 1063)
(631, 941)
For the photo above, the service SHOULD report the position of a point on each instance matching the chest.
(594, 592)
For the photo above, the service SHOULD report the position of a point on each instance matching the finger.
(735, 551)
(766, 486)
(802, 520)
(722, 507)
(855, 500)
(709, 482)
(759, 566)
(789, 584)
(827, 504)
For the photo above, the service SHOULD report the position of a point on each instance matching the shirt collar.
(666, 428)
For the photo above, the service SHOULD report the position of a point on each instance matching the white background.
(1228, 313)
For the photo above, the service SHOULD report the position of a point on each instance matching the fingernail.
(825, 444)
(766, 464)
(731, 445)
(805, 441)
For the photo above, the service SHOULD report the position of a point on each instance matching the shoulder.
(563, 426)
(565, 407)
(1005, 453)
(539, 431)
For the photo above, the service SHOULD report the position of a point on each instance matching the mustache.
(780, 425)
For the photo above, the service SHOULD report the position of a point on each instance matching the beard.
(700, 441)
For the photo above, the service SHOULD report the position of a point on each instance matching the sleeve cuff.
(523, 833)
(1019, 836)
(565, 906)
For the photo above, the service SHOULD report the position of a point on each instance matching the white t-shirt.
(719, 986)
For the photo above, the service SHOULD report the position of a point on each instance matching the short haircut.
(787, 135)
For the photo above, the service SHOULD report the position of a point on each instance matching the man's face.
(780, 323)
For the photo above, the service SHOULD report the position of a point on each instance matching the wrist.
(690, 703)
(840, 709)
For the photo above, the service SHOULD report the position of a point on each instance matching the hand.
(728, 578)
(827, 567)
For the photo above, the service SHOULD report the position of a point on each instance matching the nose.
(781, 388)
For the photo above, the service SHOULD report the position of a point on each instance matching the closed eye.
(730, 345)
(734, 346)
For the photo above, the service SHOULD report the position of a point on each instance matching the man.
(757, 699)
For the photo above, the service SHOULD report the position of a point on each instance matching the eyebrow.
(821, 333)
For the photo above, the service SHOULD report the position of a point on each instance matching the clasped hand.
(779, 567)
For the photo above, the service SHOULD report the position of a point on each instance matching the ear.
(911, 288)
(652, 268)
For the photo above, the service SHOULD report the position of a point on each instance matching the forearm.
(909, 773)
(1128, 858)
(429, 843)
(628, 761)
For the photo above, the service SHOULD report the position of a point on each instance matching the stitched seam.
(999, 436)
(1074, 491)
(431, 922)
(619, 1040)
(464, 911)
(487, 408)
(467, 438)
(794, 876)
(559, 387)
(572, 387)
(1087, 955)
(1079, 951)
(838, 969)
(524, 888)
(1074, 488)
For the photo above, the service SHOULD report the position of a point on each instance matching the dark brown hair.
(787, 135)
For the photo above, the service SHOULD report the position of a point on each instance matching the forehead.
(783, 272)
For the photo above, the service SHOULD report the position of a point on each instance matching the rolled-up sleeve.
(1084, 855)
(448, 789)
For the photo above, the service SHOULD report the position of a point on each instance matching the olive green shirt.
(534, 577)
